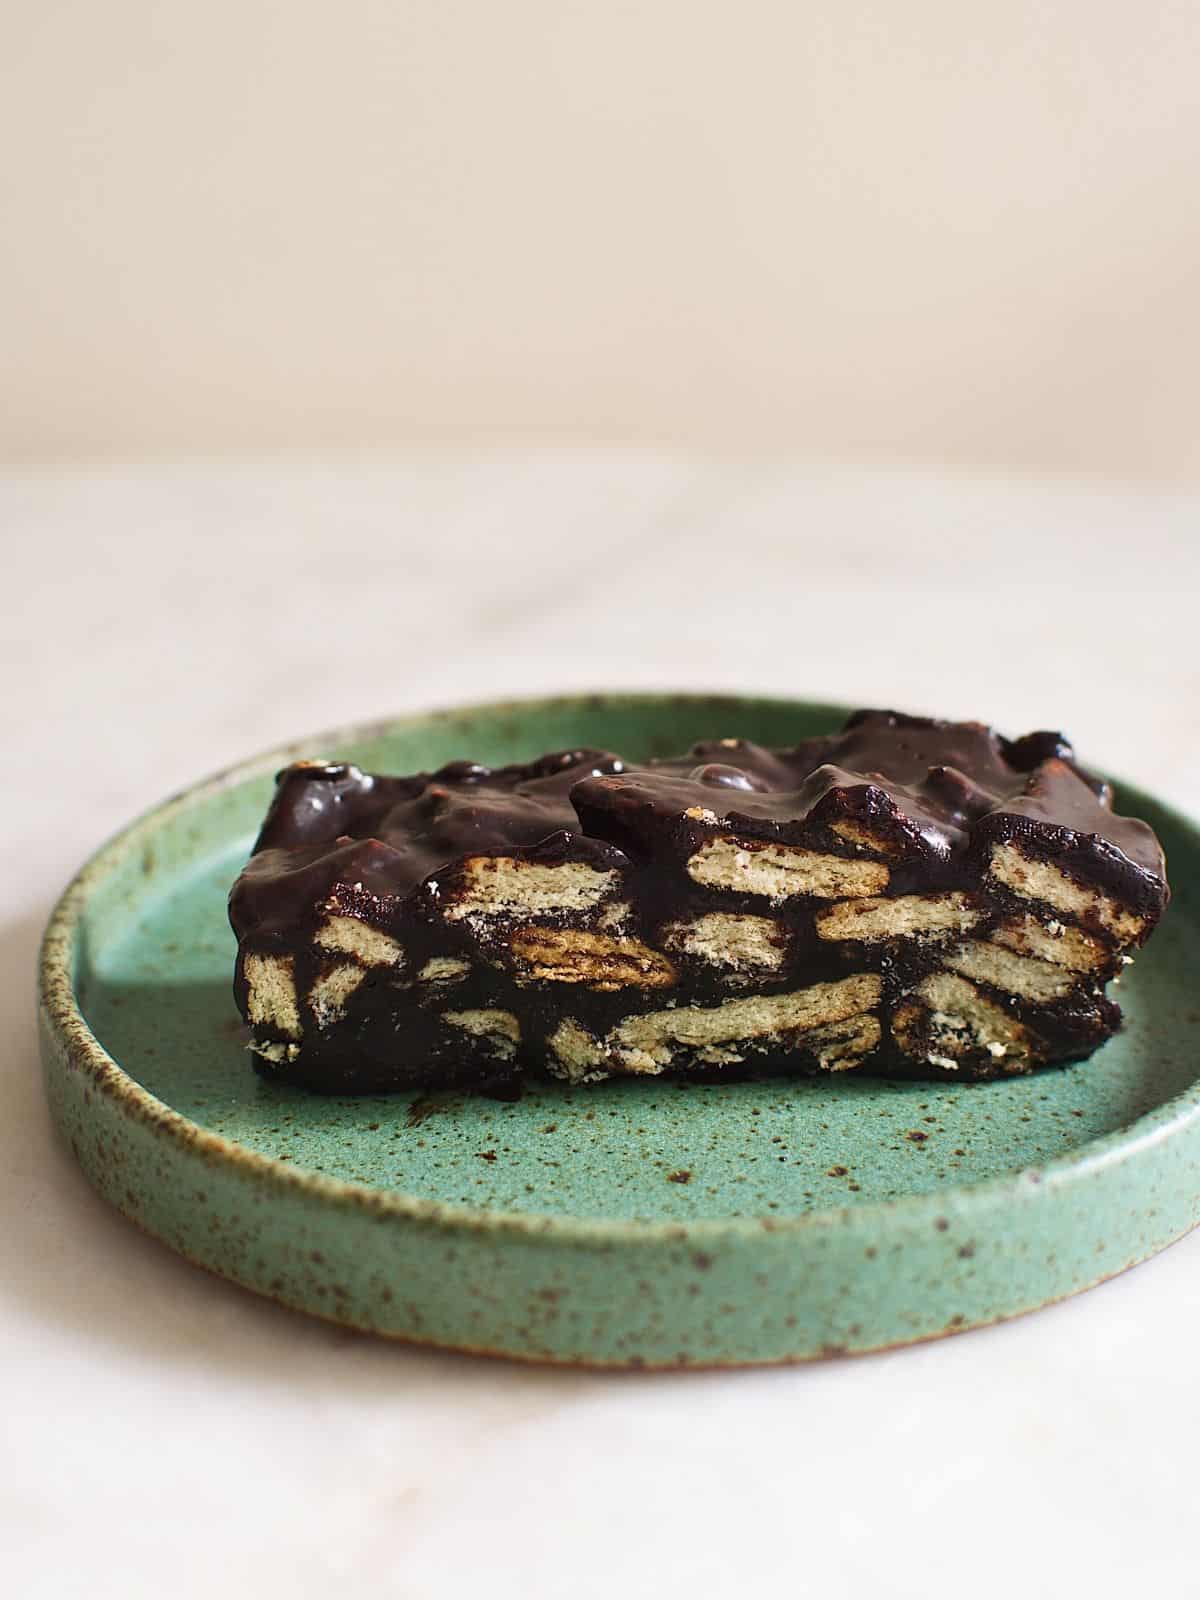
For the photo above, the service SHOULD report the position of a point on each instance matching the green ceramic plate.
(628, 1224)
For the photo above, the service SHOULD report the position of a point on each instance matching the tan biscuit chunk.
(857, 833)
(782, 872)
(1056, 942)
(743, 944)
(271, 994)
(500, 1029)
(1034, 980)
(719, 1055)
(956, 1021)
(614, 917)
(575, 1054)
(328, 995)
(907, 916)
(838, 1046)
(1041, 880)
(500, 885)
(844, 1045)
(352, 937)
(575, 955)
(647, 1043)
(444, 970)
(272, 1050)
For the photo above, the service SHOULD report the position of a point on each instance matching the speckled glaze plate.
(633, 1223)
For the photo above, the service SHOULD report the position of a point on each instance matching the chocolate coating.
(890, 805)
(332, 824)
(934, 787)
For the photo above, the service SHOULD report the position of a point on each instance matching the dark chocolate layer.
(332, 824)
(934, 788)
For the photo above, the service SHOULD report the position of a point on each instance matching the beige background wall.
(967, 232)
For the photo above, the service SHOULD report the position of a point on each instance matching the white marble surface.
(164, 1433)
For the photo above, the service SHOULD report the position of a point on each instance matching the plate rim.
(61, 1012)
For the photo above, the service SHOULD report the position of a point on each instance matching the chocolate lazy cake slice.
(906, 897)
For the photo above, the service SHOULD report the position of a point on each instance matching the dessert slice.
(906, 897)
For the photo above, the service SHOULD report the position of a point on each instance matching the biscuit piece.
(781, 872)
(904, 916)
(576, 955)
(740, 946)
(498, 886)
(684, 1037)
(271, 1003)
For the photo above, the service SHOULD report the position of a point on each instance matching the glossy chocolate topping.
(929, 785)
(934, 791)
(334, 824)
